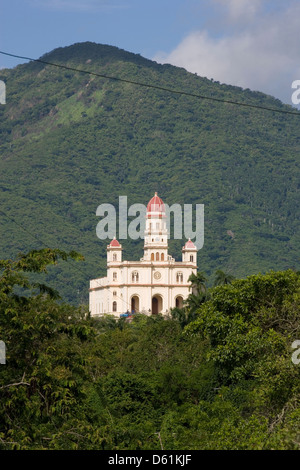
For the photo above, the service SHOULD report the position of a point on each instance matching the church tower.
(114, 252)
(189, 253)
(156, 233)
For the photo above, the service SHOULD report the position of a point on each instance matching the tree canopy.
(225, 379)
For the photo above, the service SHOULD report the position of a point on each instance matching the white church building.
(154, 284)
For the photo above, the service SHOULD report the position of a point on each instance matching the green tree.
(46, 340)
(198, 283)
(222, 278)
(250, 325)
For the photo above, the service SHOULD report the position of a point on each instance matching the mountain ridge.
(70, 142)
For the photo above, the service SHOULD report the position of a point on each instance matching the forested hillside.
(71, 141)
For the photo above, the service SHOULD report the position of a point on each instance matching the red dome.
(114, 242)
(156, 204)
(190, 245)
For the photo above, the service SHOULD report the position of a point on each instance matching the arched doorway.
(135, 303)
(157, 304)
(179, 302)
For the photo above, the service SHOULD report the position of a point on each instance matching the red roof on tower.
(114, 242)
(189, 244)
(156, 204)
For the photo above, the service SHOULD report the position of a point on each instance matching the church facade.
(154, 284)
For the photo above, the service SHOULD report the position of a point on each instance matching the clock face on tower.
(157, 275)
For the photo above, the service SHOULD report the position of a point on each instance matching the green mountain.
(71, 141)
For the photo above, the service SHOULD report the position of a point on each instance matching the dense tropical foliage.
(222, 378)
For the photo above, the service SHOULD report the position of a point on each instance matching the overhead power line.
(156, 87)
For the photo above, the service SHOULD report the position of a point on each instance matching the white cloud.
(241, 9)
(263, 55)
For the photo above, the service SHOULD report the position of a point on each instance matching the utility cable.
(156, 87)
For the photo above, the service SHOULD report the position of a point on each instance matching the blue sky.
(33, 27)
(249, 43)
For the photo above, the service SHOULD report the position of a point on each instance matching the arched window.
(135, 276)
(192, 258)
(115, 257)
(157, 256)
(114, 293)
(114, 306)
(179, 277)
(162, 257)
(115, 276)
(152, 256)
